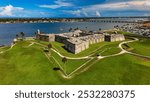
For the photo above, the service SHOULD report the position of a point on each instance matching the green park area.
(33, 63)
(140, 47)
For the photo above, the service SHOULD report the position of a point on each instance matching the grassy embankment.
(142, 46)
(70, 65)
(23, 65)
(4, 48)
(29, 65)
(123, 70)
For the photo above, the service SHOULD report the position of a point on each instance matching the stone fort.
(78, 40)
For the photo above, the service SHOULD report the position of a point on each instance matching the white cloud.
(58, 4)
(76, 12)
(130, 5)
(147, 3)
(85, 14)
(9, 10)
(98, 14)
(137, 5)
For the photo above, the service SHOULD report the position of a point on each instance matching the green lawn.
(70, 65)
(140, 47)
(29, 65)
(110, 51)
(123, 70)
(22, 65)
(4, 48)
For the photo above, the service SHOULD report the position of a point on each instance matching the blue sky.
(74, 8)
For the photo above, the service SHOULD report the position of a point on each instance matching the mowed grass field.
(4, 48)
(24, 65)
(70, 65)
(123, 70)
(141, 47)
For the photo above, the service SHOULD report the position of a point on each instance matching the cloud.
(85, 14)
(9, 10)
(98, 14)
(117, 6)
(77, 12)
(58, 4)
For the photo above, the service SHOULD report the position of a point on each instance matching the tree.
(35, 33)
(22, 35)
(17, 36)
(49, 46)
(76, 28)
(64, 60)
(70, 29)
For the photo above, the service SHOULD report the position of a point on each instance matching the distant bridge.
(118, 20)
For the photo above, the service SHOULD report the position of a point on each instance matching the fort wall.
(76, 43)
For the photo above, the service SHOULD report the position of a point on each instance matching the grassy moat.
(27, 63)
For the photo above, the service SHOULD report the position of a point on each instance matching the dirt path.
(8, 49)
(31, 44)
(122, 50)
(62, 56)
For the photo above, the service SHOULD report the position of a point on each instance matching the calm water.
(9, 31)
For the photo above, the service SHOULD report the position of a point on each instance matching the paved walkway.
(8, 49)
(86, 57)
(122, 50)
(31, 44)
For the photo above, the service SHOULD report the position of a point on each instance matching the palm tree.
(100, 29)
(35, 33)
(17, 36)
(64, 60)
(76, 28)
(70, 29)
(49, 46)
(86, 28)
(22, 35)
